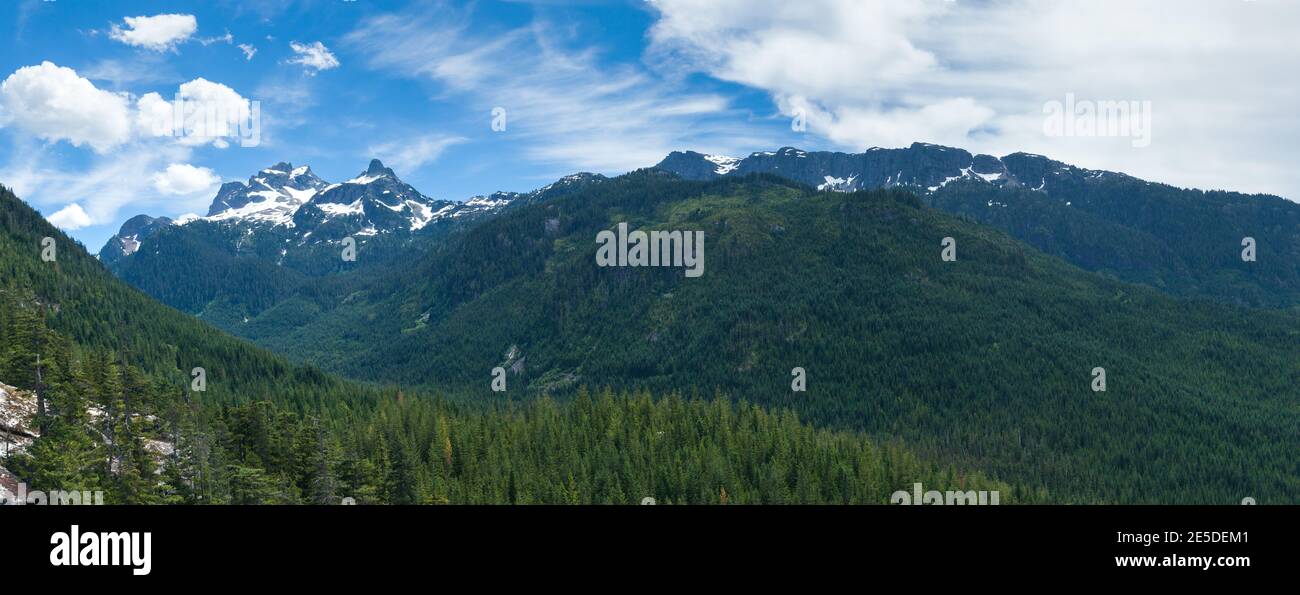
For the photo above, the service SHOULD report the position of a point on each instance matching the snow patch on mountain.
(837, 184)
(354, 208)
(725, 165)
(130, 244)
(364, 179)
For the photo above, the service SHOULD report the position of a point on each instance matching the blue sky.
(611, 86)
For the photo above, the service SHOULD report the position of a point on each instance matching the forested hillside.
(223, 274)
(1183, 242)
(104, 425)
(114, 410)
(987, 360)
(79, 298)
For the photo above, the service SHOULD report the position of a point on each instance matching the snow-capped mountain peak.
(923, 167)
(271, 196)
(296, 207)
(374, 202)
(374, 173)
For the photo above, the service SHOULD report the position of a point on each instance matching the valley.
(983, 361)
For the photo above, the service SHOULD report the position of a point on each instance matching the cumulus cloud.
(181, 179)
(248, 49)
(131, 164)
(314, 56)
(212, 113)
(158, 33)
(54, 103)
(70, 218)
(978, 74)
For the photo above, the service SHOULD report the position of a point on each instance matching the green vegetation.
(84, 302)
(114, 413)
(985, 361)
(1185, 243)
(105, 426)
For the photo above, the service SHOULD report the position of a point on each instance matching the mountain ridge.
(984, 359)
(374, 202)
(1185, 242)
(924, 166)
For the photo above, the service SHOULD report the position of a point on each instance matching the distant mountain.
(1184, 242)
(374, 202)
(298, 207)
(921, 166)
(263, 239)
(127, 240)
(272, 196)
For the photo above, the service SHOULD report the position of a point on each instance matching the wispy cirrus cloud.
(409, 154)
(565, 106)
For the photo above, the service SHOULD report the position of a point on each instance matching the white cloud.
(977, 74)
(55, 103)
(70, 218)
(181, 179)
(227, 38)
(117, 74)
(565, 106)
(949, 120)
(103, 186)
(407, 155)
(158, 33)
(213, 113)
(315, 56)
(129, 165)
(248, 49)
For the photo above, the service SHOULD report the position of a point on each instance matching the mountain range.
(1185, 242)
(1182, 241)
(824, 261)
(97, 398)
(283, 229)
(300, 208)
(985, 361)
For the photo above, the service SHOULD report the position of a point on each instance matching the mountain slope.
(297, 436)
(283, 231)
(86, 302)
(1184, 242)
(127, 240)
(986, 360)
